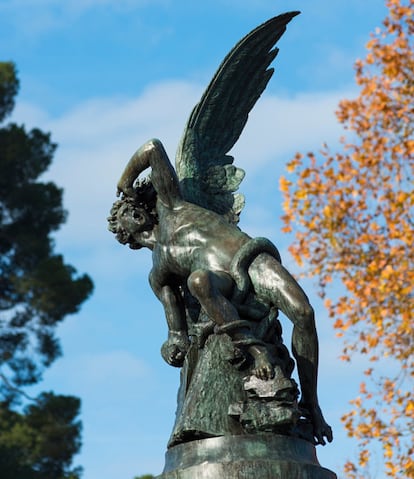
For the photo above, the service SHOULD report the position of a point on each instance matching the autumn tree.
(353, 215)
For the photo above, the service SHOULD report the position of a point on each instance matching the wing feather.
(205, 170)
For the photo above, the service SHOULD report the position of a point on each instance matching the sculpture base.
(258, 456)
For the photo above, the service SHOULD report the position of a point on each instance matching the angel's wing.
(206, 173)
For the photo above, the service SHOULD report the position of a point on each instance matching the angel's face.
(133, 220)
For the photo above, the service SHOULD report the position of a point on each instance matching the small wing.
(205, 170)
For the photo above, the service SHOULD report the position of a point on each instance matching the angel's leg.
(212, 290)
(275, 285)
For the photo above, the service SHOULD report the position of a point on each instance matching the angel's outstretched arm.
(164, 179)
(177, 344)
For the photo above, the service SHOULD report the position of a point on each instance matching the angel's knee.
(200, 284)
(303, 316)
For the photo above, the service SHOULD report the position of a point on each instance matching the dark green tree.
(37, 291)
(37, 288)
(9, 86)
(40, 443)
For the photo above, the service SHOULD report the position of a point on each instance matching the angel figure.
(188, 218)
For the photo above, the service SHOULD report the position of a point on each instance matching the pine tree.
(37, 291)
(37, 288)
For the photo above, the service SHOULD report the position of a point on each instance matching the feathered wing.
(205, 170)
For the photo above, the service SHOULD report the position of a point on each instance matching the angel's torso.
(190, 238)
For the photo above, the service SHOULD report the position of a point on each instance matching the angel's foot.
(263, 368)
(321, 429)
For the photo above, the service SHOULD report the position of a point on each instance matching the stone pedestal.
(256, 456)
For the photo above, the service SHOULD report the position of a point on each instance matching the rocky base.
(258, 456)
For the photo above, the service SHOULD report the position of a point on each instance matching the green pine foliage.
(40, 442)
(9, 86)
(37, 291)
(37, 288)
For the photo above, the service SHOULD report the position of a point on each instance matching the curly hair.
(144, 198)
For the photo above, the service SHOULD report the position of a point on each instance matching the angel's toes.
(269, 373)
(327, 432)
(264, 372)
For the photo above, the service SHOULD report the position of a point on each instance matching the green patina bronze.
(221, 289)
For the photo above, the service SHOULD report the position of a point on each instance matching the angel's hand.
(175, 348)
(127, 191)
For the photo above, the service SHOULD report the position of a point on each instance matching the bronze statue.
(213, 279)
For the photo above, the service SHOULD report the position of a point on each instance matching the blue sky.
(104, 76)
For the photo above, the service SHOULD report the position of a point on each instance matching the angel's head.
(132, 219)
